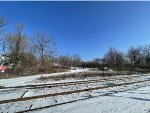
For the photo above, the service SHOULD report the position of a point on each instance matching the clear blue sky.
(84, 28)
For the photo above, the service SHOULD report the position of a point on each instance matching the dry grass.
(18, 72)
(82, 75)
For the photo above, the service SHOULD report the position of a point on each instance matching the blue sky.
(84, 28)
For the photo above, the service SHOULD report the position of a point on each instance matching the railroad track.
(67, 92)
(66, 83)
(76, 83)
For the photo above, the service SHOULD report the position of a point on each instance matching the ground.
(114, 94)
(133, 101)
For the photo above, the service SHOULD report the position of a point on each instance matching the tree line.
(113, 58)
(38, 51)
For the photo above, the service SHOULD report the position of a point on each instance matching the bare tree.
(97, 62)
(114, 58)
(65, 61)
(145, 51)
(134, 55)
(2, 24)
(76, 60)
(43, 45)
(15, 44)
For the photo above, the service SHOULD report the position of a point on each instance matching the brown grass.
(18, 72)
(82, 75)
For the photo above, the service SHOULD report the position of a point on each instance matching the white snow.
(133, 101)
(130, 99)
(26, 80)
(25, 105)
(11, 94)
(6, 93)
